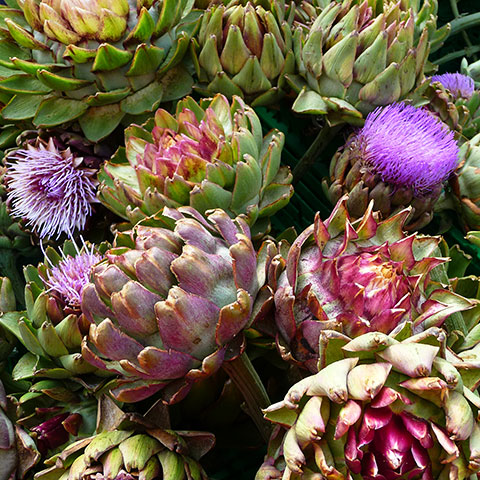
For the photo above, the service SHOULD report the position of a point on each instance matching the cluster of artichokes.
(169, 306)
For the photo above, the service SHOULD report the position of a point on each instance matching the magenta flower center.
(69, 277)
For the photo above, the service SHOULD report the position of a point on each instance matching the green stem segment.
(461, 23)
(246, 379)
(311, 155)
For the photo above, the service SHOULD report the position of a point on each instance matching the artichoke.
(93, 61)
(382, 408)
(358, 55)
(245, 50)
(168, 308)
(357, 278)
(209, 155)
(131, 448)
(401, 157)
(52, 327)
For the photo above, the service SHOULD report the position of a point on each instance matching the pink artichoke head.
(208, 155)
(169, 307)
(387, 409)
(356, 278)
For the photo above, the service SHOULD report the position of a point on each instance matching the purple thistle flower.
(49, 189)
(460, 86)
(407, 147)
(69, 277)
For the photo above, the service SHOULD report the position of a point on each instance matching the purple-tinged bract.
(49, 189)
(460, 86)
(407, 147)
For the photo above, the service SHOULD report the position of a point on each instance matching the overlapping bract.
(387, 409)
(93, 61)
(245, 49)
(170, 306)
(209, 155)
(356, 278)
(356, 57)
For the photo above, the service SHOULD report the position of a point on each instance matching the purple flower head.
(50, 189)
(407, 147)
(460, 86)
(69, 277)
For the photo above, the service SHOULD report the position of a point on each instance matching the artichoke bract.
(209, 155)
(93, 61)
(356, 278)
(246, 50)
(384, 409)
(401, 157)
(169, 307)
(356, 56)
(53, 326)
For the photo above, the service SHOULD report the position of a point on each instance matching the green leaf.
(98, 122)
(147, 59)
(58, 82)
(110, 58)
(310, 102)
(145, 100)
(22, 107)
(24, 84)
(55, 110)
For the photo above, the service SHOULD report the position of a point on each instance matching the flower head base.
(70, 276)
(407, 147)
(460, 86)
(49, 189)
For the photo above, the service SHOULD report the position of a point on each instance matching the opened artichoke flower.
(209, 155)
(93, 61)
(169, 307)
(357, 278)
(53, 325)
(387, 409)
(245, 50)
(356, 56)
(401, 157)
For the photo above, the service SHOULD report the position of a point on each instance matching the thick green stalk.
(465, 52)
(246, 379)
(311, 155)
(462, 23)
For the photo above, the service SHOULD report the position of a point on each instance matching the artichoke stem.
(311, 155)
(465, 52)
(8, 268)
(462, 23)
(246, 379)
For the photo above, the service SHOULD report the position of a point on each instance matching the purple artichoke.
(356, 278)
(169, 307)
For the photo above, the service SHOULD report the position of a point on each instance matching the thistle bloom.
(400, 158)
(70, 276)
(407, 147)
(49, 189)
(460, 86)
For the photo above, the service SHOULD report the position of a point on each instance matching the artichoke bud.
(7, 297)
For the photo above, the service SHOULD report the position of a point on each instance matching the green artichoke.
(93, 61)
(209, 155)
(168, 308)
(354, 279)
(381, 407)
(245, 49)
(131, 448)
(358, 55)
(53, 326)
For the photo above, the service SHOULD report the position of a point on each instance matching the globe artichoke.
(132, 447)
(168, 308)
(245, 50)
(384, 409)
(209, 155)
(401, 157)
(358, 55)
(357, 278)
(52, 327)
(93, 61)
